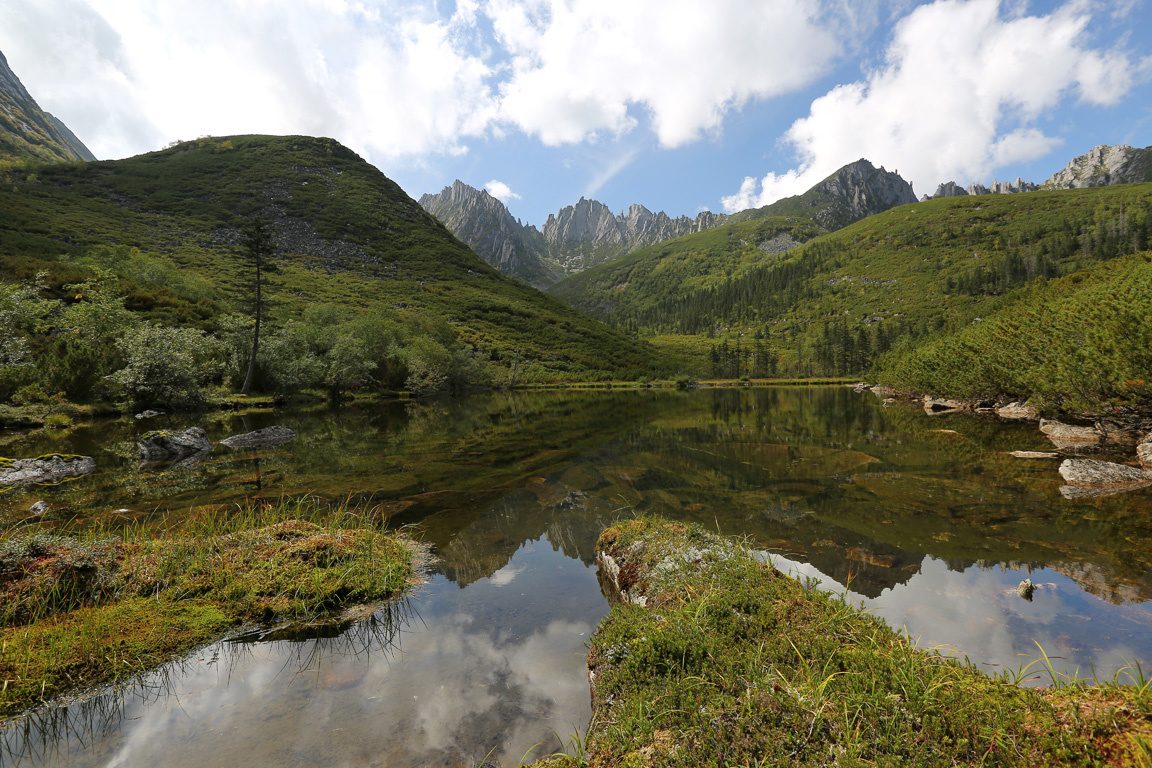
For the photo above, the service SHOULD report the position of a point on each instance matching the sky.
(680, 105)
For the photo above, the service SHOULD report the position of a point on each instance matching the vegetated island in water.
(82, 610)
(711, 656)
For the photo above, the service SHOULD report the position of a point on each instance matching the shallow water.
(926, 520)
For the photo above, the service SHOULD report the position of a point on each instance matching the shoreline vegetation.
(712, 656)
(87, 608)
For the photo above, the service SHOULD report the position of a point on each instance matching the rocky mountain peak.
(1102, 166)
(856, 191)
(28, 132)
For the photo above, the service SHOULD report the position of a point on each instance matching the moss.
(85, 611)
(733, 663)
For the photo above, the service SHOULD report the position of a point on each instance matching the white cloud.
(578, 66)
(962, 83)
(503, 193)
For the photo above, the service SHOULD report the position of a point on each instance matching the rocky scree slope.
(28, 132)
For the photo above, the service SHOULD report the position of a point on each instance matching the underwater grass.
(86, 609)
(730, 662)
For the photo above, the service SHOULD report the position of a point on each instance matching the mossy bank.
(83, 610)
(713, 657)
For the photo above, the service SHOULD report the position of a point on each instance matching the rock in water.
(1103, 474)
(934, 407)
(1034, 455)
(261, 438)
(170, 446)
(1025, 589)
(46, 469)
(149, 414)
(1144, 453)
(1068, 433)
(1017, 410)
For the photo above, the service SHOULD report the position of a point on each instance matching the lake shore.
(711, 656)
(95, 607)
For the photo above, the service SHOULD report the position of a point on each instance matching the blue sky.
(677, 104)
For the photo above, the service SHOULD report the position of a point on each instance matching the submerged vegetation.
(717, 658)
(94, 607)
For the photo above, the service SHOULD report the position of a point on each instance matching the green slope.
(348, 235)
(28, 132)
(832, 305)
(1080, 342)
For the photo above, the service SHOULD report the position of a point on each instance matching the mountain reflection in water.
(927, 520)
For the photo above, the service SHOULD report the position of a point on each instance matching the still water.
(926, 520)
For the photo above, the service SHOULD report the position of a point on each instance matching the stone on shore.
(261, 438)
(172, 446)
(1103, 474)
(935, 407)
(1144, 454)
(1017, 410)
(1035, 455)
(46, 469)
(1070, 433)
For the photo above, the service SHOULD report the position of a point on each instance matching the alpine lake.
(927, 520)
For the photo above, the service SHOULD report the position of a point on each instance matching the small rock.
(1103, 474)
(168, 446)
(149, 414)
(1034, 455)
(39, 508)
(261, 438)
(1025, 589)
(1017, 410)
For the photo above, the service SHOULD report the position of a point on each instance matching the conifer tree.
(257, 250)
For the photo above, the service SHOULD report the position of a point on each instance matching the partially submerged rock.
(1035, 455)
(1144, 454)
(1025, 589)
(53, 468)
(935, 407)
(1070, 433)
(261, 438)
(149, 414)
(1091, 473)
(173, 446)
(1017, 410)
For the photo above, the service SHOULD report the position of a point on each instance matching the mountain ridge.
(27, 132)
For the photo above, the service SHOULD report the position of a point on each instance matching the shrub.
(168, 366)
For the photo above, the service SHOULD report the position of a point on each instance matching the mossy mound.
(731, 662)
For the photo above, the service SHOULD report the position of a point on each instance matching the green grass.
(731, 662)
(86, 609)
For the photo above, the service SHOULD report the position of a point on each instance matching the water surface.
(927, 520)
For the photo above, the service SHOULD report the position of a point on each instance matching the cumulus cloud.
(503, 193)
(394, 80)
(578, 66)
(956, 98)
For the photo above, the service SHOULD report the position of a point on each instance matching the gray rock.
(149, 414)
(170, 446)
(39, 508)
(935, 407)
(47, 469)
(1103, 474)
(261, 438)
(1017, 410)
(1144, 453)
(1025, 589)
(1070, 433)
(1034, 455)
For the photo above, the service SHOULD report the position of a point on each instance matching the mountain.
(28, 132)
(588, 233)
(348, 235)
(856, 191)
(1103, 166)
(833, 303)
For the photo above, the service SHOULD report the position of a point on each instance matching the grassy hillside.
(1080, 342)
(166, 226)
(834, 304)
(28, 132)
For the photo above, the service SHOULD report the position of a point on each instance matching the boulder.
(1025, 589)
(46, 469)
(171, 446)
(1017, 410)
(39, 508)
(1103, 474)
(1069, 433)
(261, 438)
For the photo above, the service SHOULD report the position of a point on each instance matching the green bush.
(168, 366)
